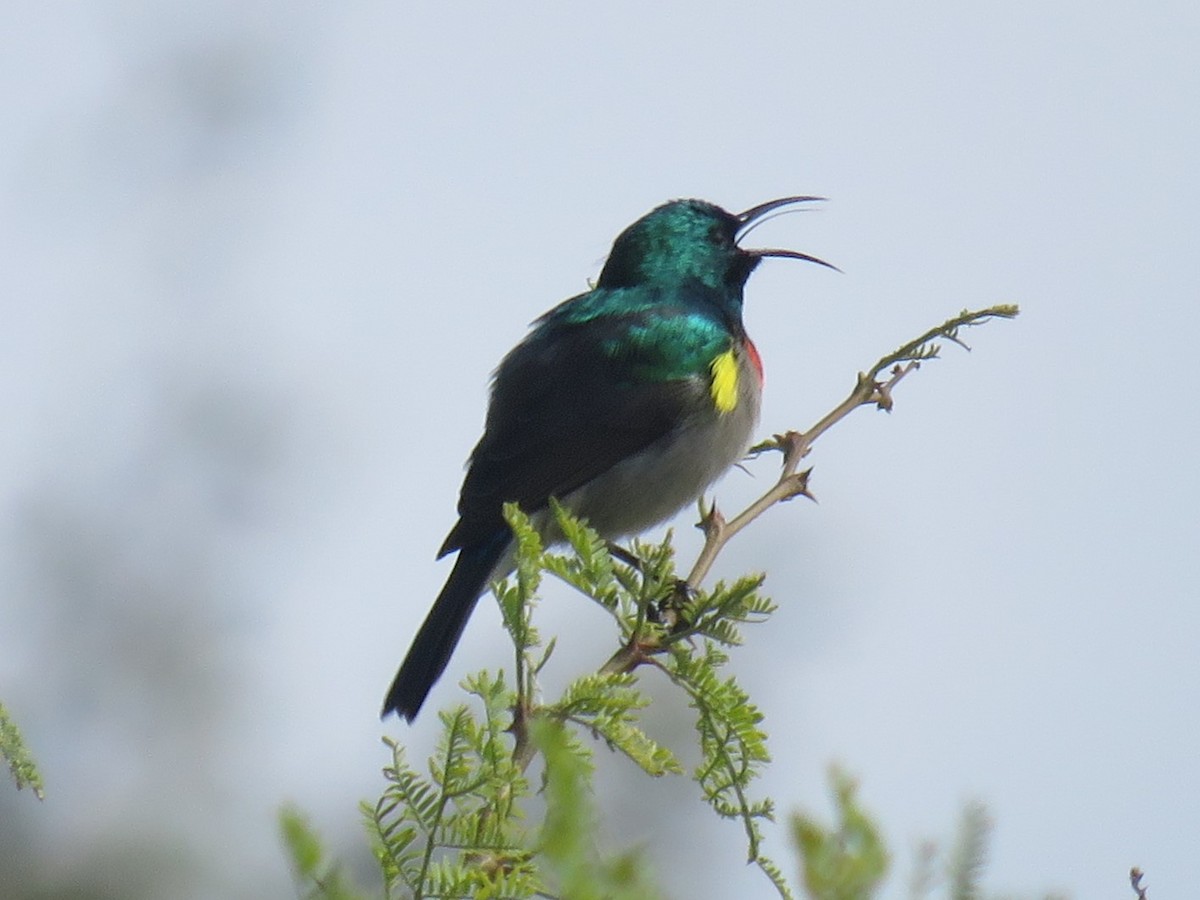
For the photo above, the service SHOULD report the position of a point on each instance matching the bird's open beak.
(757, 212)
(754, 213)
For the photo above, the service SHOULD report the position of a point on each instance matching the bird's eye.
(716, 236)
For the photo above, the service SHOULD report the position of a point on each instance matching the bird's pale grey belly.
(645, 489)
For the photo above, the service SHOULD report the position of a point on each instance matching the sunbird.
(624, 403)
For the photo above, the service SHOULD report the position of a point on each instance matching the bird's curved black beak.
(755, 213)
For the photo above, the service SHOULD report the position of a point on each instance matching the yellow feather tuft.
(724, 387)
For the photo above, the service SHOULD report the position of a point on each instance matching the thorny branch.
(869, 390)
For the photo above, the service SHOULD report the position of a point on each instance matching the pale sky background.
(257, 260)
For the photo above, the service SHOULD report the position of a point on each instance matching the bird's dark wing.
(568, 403)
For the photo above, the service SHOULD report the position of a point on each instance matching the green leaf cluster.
(316, 874)
(458, 831)
(464, 826)
(846, 861)
(684, 638)
(461, 827)
(567, 844)
(21, 766)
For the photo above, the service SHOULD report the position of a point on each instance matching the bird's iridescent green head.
(691, 240)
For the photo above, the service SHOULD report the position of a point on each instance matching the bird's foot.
(668, 611)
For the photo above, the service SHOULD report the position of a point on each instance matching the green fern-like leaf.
(459, 831)
(733, 747)
(591, 557)
(591, 569)
(847, 861)
(717, 614)
(319, 876)
(607, 703)
(20, 762)
(516, 597)
(568, 835)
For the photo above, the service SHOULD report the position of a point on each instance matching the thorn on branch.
(796, 485)
(953, 337)
(712, 521)
(795, 446)
(523, 749)
(882, 396)
(774, 442)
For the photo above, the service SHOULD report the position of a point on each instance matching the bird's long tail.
(435, 642)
